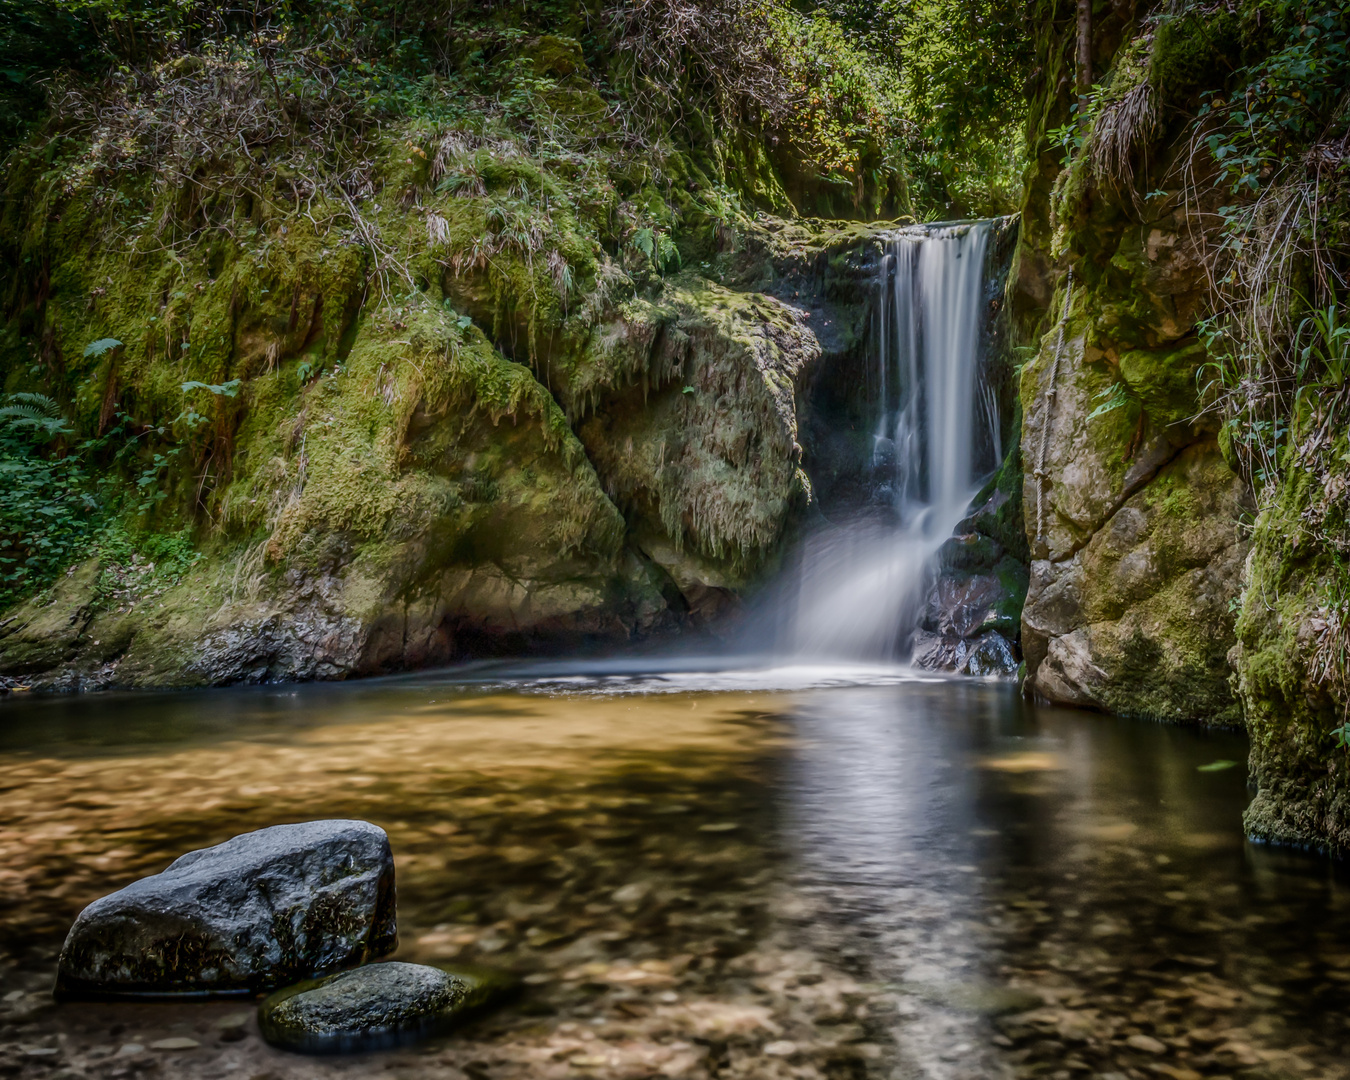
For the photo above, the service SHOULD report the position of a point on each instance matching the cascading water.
(860, 584)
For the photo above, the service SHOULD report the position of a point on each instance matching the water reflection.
(902, 879)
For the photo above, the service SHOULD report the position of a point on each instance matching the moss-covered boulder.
(1138, 621)
(706, 463)
(376, 1007)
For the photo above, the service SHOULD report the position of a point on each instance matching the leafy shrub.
(48, 511)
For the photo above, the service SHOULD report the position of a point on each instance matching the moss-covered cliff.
(359, 358)
(1187, 514)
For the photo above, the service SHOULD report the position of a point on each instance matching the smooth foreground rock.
(374, 1007)
(259, 911)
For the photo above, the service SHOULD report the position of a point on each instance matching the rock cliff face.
(427, 498)
(498, 384)
(1291, 660)
(1134, 516)
(1186, 491)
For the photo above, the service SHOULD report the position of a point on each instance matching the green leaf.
(1217, 766)
(227, 389)
(1117, 397)
(99, 347)
(645, 241)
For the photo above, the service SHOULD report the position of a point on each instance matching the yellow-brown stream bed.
(769, 875)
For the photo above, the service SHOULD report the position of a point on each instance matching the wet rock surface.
(970, 622)
(260, 910)
(371, 1008)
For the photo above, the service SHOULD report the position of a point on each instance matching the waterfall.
(859, 583)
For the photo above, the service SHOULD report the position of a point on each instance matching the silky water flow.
(859, 584)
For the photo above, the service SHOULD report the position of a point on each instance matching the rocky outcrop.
(1132, 511)
(495, 396)
(1138, 620)
(1291, 658)
(432, 500)
(261, 910)
(971, 621)
(1134, 522)
(373, 1007)
(707, 464)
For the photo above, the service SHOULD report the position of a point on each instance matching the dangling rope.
(1049, 414)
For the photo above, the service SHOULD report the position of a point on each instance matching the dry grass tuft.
(1123, 128)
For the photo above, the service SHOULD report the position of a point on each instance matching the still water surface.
(775, 874)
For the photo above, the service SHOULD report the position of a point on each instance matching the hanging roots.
(1123, 127)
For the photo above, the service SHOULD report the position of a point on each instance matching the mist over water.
(856, 586)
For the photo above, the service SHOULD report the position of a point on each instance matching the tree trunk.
(1084, 55)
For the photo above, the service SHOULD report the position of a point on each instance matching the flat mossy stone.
(377, 1007)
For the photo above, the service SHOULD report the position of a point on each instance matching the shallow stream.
(767, 874)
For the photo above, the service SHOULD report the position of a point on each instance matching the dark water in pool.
(777, 874)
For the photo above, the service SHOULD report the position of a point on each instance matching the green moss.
(1188, 49)
(709, 458)
(1013, 578)
(1295, 585)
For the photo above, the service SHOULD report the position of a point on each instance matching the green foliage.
(226, 389)
(1116, 396)
(659, 248)
(35, 411)
(1284, 100)
(1270, 139)
(61, 498)
(37, 38)
(1325, 358)
(47, 508)
(961, 70)
(97, 348)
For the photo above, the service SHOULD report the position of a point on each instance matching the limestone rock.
(258, 911)
(1137, 621)
(372, 1007)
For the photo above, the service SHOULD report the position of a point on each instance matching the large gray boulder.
(375, 1007)
(262, 910)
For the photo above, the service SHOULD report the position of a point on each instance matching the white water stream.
(860, 584)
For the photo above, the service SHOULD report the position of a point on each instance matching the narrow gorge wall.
(1133, 514)
(1185, 486)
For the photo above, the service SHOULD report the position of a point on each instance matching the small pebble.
(177, 1042)
(1146, 1043)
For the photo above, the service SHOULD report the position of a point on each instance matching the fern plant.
(36, 411)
